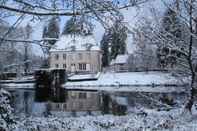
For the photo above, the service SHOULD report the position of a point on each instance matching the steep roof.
(75, 42)
(120, 59)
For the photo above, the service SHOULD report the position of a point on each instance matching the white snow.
(126, 81)
(19, 85)
(154, 120)
(130, 81)
(121, 59)
(84, 76)
(78, 42)
(38, 108)
(6, 110)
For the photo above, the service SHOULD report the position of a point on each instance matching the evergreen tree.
(105, 48)
(78, 25)
(51, 30)
(119, 36)
(113, 42)
(71, 27)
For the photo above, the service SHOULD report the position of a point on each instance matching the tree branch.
(59, 13)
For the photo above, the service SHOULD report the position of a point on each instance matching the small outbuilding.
(120, 64)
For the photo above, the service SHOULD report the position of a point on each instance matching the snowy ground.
(127, 81)
(148, 120)
(130, 81)
(19, 86)
(130, 78)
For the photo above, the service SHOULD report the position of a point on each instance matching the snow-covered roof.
(75, 42)
(120, 59)
(79, 77)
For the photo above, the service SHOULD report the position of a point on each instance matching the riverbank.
(135, 121)
(130, 82)
(126, 81)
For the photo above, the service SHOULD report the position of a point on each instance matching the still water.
(77, 103)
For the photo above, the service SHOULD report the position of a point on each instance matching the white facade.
(76, 54)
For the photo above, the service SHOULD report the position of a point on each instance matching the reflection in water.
(77, 102)
(23, 101)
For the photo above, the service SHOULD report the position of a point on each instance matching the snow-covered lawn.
(149, 121)
(130, 81)
(19, 86)
(126, 81)
(130, 78)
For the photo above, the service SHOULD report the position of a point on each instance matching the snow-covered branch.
(38, 42)
(61, 12)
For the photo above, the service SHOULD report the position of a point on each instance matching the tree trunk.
(191, 98)
(192, 90)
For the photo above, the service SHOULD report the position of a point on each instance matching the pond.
(80, 102)
(76, 103)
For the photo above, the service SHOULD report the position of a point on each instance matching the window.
(82, 96)
(64, 65)
(56, 56)
(82, 66)
(73, 69)
(88, 55)
(56, 66)
(64, 56)
(88, 95)
(71, 57)
(80, 56)
(73, 95)
(88, 67)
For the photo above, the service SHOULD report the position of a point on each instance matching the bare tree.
(104, 11)
(145, 51)
(191, 5)
(182, 47)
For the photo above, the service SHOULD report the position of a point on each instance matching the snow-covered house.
(76, 54)
(120, 64)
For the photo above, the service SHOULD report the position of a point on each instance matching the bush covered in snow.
(153, 121)
(6, 117)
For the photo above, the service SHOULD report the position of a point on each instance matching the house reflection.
(73, 103)
(78, 101)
